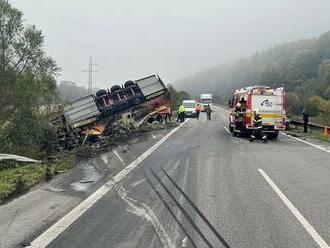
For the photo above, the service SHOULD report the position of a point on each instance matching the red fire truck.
(270, 102)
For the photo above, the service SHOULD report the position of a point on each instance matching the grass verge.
(17, 177)
(311, 133)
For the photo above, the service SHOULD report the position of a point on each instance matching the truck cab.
(206, 99)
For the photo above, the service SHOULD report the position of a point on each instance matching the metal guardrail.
(17, 158)
(310, 125)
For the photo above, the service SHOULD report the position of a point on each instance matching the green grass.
(318, 135)
(311, 133)
(18, 178)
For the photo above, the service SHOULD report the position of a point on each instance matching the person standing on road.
(198, 110)
(305, 119)
(257, 122)
(181, 112)
(208, 111)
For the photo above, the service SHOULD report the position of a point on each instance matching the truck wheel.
(129, 83)
(272, 135)
(115, 88)
(101, 93)
(121, 105)
(136, 99)
(106, 112)
(231, 128)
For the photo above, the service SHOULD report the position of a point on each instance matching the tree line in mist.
(303, 67)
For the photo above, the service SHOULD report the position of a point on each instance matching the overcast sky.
(175, 38)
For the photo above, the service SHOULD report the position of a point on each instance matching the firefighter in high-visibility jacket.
(181, 112)
(257, 132)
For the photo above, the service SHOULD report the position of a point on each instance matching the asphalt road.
(254, 194)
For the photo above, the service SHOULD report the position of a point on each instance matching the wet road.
(253, 194)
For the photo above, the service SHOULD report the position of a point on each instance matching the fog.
(175, 38)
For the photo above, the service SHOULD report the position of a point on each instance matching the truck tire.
(136, 99)
(129, 83)
(106, 112)
(115, 88)
(101, 93)
(121, 105)
(231, 129)
(273, 135)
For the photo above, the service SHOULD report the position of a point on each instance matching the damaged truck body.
(108, 110)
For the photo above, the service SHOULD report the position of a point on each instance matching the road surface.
(253, 194)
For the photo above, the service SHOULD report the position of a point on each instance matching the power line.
(90, 74)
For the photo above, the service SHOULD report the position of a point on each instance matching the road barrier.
(313, 126)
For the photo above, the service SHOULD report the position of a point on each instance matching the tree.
(69, 91)
(324, 78)
(177, 97)
(323, 107)
(27, 80)
(303, 66)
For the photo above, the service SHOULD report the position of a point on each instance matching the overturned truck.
(104, 112)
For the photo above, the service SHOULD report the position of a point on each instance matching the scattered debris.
(54, 190)
(25, 244)
(87, 181)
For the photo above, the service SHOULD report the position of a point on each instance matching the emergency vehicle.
(270, 102)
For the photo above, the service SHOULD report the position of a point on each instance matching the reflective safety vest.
(182, 109)
(257, 122)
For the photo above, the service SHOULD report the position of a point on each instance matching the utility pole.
(90, 74)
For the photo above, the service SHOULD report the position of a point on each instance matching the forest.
(302, 67)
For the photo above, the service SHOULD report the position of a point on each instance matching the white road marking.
(145, 212)
(184, 242)
(308, 143)
(117, 155)
(55, 230)
(104, 158)
(133, 185)
(318, 239)
(226, 129)
(125, 148)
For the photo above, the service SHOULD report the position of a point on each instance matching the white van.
(190, 108)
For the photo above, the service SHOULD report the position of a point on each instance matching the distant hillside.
(302, 66)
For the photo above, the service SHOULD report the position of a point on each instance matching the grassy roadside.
(311, 133)
(17, 177)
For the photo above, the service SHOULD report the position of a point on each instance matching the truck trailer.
(134, 100)
(206, 99)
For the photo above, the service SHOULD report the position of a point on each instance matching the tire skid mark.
(145, 212)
